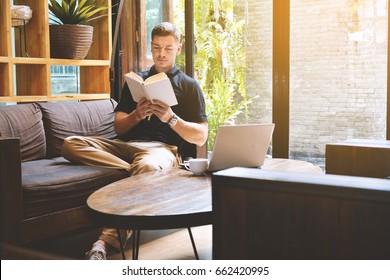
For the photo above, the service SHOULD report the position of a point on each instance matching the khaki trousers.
(136, 157)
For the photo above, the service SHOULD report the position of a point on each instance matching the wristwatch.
(173, 121)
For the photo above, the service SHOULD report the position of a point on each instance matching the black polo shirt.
(190, 107)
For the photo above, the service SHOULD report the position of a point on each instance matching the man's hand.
(195, 133)
(143, 109)
(161, 110)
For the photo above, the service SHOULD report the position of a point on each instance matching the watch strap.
(172, 122)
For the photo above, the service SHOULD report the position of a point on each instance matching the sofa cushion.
(24, 121)
(88, 118)
(51, 185)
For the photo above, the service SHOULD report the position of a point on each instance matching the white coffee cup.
(198, 166)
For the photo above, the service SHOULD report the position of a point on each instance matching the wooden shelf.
(85, 62)
(28, 79)
(28, 60)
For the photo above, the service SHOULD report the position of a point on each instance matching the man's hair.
(166, 29)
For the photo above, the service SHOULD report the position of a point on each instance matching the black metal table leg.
(121, 244)
(193, 244)
(136, 240)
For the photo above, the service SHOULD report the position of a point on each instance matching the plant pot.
(71, 41)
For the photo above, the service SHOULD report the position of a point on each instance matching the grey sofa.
(42, 195)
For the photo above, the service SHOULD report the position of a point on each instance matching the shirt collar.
(170, 74)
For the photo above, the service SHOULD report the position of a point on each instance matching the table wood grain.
(165, 199)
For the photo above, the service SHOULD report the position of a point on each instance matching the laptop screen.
(240, 146)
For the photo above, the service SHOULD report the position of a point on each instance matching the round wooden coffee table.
(166, 199)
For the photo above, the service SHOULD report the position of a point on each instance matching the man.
(150, 135)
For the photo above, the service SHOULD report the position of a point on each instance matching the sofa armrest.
(260, 214)
(11, 214)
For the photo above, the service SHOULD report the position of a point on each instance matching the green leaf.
(75, 11)
(72, 6)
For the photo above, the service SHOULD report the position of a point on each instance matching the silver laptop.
(240, 146)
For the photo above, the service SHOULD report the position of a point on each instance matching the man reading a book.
(151, 134)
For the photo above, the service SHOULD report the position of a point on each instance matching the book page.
(161, 90)
(134, 75)
(157, 77)
(135, 86)
(155, 87)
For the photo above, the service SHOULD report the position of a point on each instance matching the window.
(258, 49)
(65, 79)
(338, 74)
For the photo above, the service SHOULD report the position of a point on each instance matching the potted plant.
(70, 36)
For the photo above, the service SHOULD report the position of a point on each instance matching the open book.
(155, 87)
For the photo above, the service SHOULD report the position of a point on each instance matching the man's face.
(164, 51)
